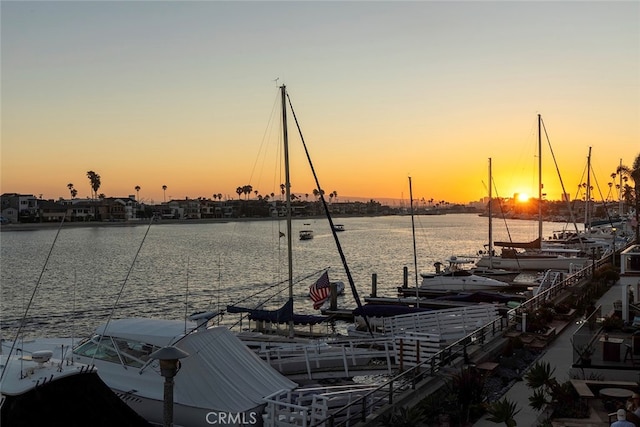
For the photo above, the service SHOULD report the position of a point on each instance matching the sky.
(184, 94)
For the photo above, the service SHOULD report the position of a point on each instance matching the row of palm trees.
(248, 189)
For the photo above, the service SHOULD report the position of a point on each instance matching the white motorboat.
(221, 377)
(39, 387)
(306, 234)
(455, 277)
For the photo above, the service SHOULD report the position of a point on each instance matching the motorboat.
(306, 234)
(39, 387)
(454, 277)
(220, 376)
(338, 227)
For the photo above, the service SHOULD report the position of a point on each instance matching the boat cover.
(221, 372)
(534, 244)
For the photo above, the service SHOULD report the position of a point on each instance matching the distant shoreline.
(78, 224)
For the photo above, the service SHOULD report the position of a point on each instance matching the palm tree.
(246, 190)
(138, 193)
(94, 179)
(635, 175)
(164, 192)
(239, 191)
(632, 194)
(72, 190)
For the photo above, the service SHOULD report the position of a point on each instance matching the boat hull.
(524, 263)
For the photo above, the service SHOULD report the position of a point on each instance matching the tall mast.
(540, 178)
(490, 247)
(587, 200)
(287, 186)
(415, 257)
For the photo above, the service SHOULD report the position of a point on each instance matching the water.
(183, 268)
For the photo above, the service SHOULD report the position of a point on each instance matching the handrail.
(447, 356)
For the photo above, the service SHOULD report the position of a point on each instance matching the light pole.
(169, 361)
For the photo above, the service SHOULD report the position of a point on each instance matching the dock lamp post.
(169, 366)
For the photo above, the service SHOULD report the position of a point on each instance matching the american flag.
(319, 291)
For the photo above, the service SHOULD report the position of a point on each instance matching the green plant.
(403, 417)
(467, 389)
(610, 323)
(563, 308)
(548, 391)
(503, 411)
(584, 351)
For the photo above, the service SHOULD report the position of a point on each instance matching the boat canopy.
(158, 332)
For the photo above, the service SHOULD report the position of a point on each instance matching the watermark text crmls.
(232, 418)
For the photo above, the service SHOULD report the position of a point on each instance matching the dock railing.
(453, 354)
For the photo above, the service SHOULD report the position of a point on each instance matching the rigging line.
(124, 283)
(33, 294)
(573, 219)
(277, 284)
(604, 201)
(354, 291)
(504, 218)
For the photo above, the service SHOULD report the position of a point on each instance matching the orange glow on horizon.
(523, 197)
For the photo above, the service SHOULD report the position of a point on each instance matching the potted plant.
(584, 351)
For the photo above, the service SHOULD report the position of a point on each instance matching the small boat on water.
(338, 227)
(306, 234)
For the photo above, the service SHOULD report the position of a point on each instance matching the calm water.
(184, 268)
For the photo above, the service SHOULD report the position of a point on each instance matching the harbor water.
(84, 274)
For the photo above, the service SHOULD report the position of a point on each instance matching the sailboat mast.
(587, 200)
(287, 186)
(415, 257)
(490, 247)
(540, 178)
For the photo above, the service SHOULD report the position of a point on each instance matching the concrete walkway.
(559, 355)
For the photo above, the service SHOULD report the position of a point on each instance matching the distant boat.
(338, 227)
(306, 234)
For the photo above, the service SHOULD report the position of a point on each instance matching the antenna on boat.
(186, 299)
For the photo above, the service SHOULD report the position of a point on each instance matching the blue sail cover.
(284, 314)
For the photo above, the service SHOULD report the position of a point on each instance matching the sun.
(523, 197)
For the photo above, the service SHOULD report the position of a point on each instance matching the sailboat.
(454, 277)
(285, 314)
(532, 255)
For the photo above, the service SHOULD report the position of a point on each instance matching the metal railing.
(448, 356)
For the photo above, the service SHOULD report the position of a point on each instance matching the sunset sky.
(184, 94)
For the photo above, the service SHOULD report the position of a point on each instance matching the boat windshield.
(116, 350)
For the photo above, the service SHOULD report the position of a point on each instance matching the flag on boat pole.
(319, 291)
